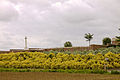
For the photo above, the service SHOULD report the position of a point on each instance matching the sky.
(50, 23)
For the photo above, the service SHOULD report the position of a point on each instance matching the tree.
(119, 29)
(106, 41)
(68, 44)
(89, 37)
(118, 37)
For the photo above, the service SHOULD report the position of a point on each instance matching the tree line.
(89, 37)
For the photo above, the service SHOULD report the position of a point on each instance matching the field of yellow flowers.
(38, 60)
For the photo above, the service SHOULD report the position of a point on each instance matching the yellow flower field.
(40, 60)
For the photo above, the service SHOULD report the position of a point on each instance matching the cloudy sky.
(49, 23)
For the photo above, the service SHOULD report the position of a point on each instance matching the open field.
(55, 76)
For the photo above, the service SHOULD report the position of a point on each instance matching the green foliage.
(115, 72)
(106, 41)
(99, 71)
(89, 37)
(54, 70)
(68, 44)
(118, 37)
(101, 50)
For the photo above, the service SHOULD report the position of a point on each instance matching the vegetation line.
(85, 71)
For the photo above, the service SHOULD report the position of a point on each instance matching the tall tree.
(89, 37)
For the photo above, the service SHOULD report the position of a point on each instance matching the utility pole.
(25, 43)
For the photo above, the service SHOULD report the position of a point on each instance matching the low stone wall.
(91, 47)
(69, 49)
(94, 47)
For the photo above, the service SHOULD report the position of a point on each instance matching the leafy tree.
(68, 44)
(89, 37)
(106, 41)
(118, 37)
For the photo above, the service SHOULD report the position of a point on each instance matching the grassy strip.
(58, 70)
(115, 72)
(52, 70)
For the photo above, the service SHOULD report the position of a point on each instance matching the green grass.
(54, 70)
(115, 72)
(101, 50)
(84, 71)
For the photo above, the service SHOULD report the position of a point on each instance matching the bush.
(51, 70)
(98, 71)
(106, 41)
(68, 44)
(115, 72)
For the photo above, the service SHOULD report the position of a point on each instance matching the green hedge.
(54, 70)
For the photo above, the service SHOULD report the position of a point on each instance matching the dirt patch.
(54, 76)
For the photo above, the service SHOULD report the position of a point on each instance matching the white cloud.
(7, 11)
(49, 23)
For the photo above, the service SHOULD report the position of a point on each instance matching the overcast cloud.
(49, 23)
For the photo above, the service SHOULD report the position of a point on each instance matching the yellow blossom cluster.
(38, 60)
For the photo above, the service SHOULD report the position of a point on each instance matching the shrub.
(106, 41)
(115, 72)
(68, 44)
(98, 71)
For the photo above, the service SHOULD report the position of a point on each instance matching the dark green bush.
(115, 72)
(98, 71)
(68, 44)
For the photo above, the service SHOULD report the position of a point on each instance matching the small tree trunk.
(89, 43)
